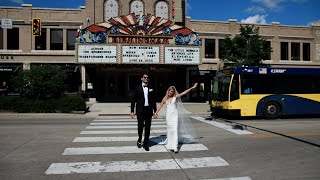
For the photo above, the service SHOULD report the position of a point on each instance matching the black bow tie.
(145, 85)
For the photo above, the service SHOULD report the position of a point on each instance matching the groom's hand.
(155, 115)
(132, 115)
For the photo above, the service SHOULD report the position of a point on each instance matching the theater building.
(105, 45)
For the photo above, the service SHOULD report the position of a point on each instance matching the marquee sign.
(97, 54)
(182, 55)
(138, 39)
(140, 54)
(129, 27)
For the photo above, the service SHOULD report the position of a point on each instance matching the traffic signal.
(36, 26)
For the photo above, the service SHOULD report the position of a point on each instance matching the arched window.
(162, 9)
(137, 7)
(111, 9)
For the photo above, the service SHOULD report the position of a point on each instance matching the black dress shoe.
(139, 145)
(146, 147)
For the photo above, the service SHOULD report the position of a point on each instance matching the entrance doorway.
(117, 83)
(204, 79)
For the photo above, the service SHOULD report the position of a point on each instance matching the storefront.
(7, 71)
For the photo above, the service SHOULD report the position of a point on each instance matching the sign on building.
(182, 55)
(97, 54)
(140, 55)
(6, 23)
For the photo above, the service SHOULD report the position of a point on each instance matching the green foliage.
(40, 82)
(248, 48)
(64, 104)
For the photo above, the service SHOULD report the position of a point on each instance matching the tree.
(40, 82)
(247, 49)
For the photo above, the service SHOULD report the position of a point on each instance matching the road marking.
(120, 127)
(287, 134)
(128, 149)
(128, 166)
(223, 126)
(123, 120)
(122, 132)
(232, 178)
(123, 123)
(105, 139)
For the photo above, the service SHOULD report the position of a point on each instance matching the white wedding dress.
(172, 124)
(179, 126)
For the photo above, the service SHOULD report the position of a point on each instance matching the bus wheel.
(271, 110)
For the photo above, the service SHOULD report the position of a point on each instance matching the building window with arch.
(136, 7)
(111, 9)
(162, 9)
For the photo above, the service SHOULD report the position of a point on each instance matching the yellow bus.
(266, 92)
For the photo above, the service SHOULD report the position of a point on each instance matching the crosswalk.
(99, 137)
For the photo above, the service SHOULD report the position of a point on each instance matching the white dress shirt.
(145, 92)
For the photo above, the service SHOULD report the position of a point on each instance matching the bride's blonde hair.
(171, 88)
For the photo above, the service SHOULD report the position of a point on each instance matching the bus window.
(246, 88)
(220, 89)
(234, 92)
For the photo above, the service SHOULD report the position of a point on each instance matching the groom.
(146, 107)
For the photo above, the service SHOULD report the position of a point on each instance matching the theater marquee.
(96, 54)
(182, 55)
(140, 55)
(138, 39)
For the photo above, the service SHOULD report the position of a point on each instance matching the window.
(56, 39)
(210, 48)
(267, 45)
(221, 48)
(13, 39)
(234, 92)
(111, 9)
(1, 38)
(284, 51)
(295, 51)
(71, 39)
(137, 7)
(162, 9)
(41, 41)
(281, 84)
(306, 51)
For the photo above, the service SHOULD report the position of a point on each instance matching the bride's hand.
(195, 85)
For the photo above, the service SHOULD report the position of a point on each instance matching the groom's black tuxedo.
(144, 113)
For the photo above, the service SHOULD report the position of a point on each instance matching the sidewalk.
(109, 109)
(124, 109)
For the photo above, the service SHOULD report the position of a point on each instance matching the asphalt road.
(59, 147)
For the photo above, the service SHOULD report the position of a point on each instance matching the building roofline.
(42, 8)
(209, 21)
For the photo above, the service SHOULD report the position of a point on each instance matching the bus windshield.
(220, 89)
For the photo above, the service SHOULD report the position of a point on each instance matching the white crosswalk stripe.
(223, 126)
(120, 127)
(122, 131)
(123, 123)
(121, 166)
(123, 120)
(128, 149)
(117, 130)
(105, 139)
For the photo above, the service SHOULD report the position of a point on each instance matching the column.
(83, 78)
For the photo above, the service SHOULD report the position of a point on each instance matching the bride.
(179, 127)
